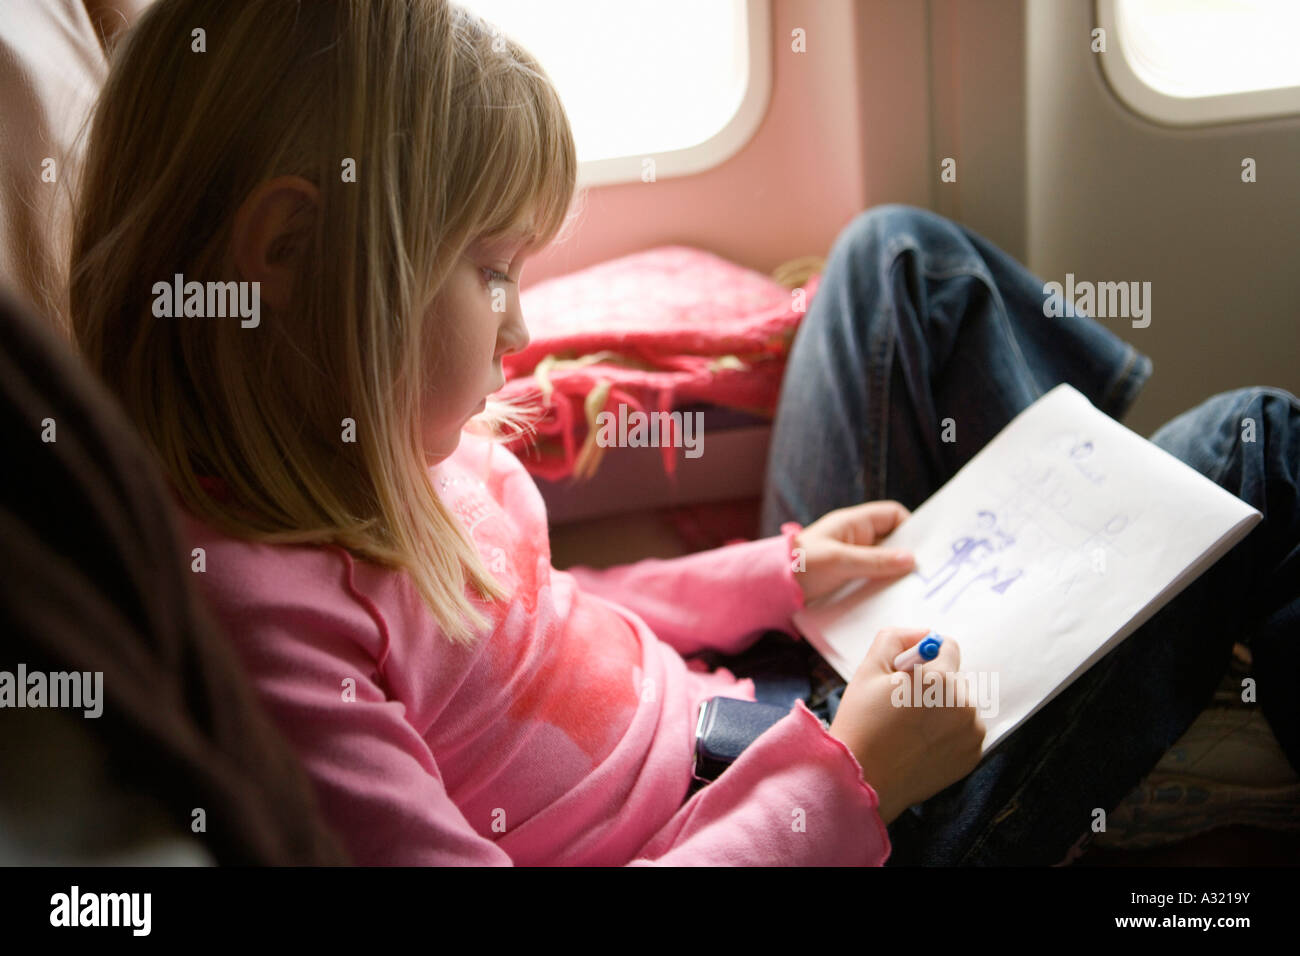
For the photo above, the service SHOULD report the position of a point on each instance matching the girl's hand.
(908, 754)
(842, 546)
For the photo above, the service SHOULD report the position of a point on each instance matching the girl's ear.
(272, 229)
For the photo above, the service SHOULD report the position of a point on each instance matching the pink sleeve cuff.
(788, 531)
(794, 765)
(859, 778)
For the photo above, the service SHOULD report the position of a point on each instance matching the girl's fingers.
(875, 519)
(949, 658)
(892, 641)
(874, 562)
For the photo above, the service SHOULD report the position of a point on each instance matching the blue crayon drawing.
(1041, 528)
(969, 553)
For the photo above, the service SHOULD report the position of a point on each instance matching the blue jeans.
(918, 319)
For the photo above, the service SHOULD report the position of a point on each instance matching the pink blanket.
(654, 330)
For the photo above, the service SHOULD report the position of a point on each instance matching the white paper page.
(1049, 547)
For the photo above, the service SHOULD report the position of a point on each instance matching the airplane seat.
(157, 751)
(53, 60)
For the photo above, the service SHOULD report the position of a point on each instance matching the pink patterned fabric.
(654, 330)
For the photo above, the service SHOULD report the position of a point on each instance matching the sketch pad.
(1048, 548)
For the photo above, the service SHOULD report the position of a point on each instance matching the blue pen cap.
(929, 646)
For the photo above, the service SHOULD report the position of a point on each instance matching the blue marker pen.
(927, 649)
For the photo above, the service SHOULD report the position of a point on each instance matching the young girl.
(382, 169)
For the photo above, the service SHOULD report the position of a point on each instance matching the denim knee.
(1204, 435)
(1266, 410)
(882, 232)
(1235, 404)
(1279, 396)
(890, 218)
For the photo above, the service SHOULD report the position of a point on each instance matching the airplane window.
(640, 81)
(1199, 61)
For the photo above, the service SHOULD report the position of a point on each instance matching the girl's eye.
(494, 276)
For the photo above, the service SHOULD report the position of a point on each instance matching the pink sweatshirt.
(563, 736)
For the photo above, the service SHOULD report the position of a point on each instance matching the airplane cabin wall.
(1058, 171)
(1114, 196)
(1050, 165)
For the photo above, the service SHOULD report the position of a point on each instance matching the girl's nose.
(515, 336)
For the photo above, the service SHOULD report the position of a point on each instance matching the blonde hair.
(456, 134)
